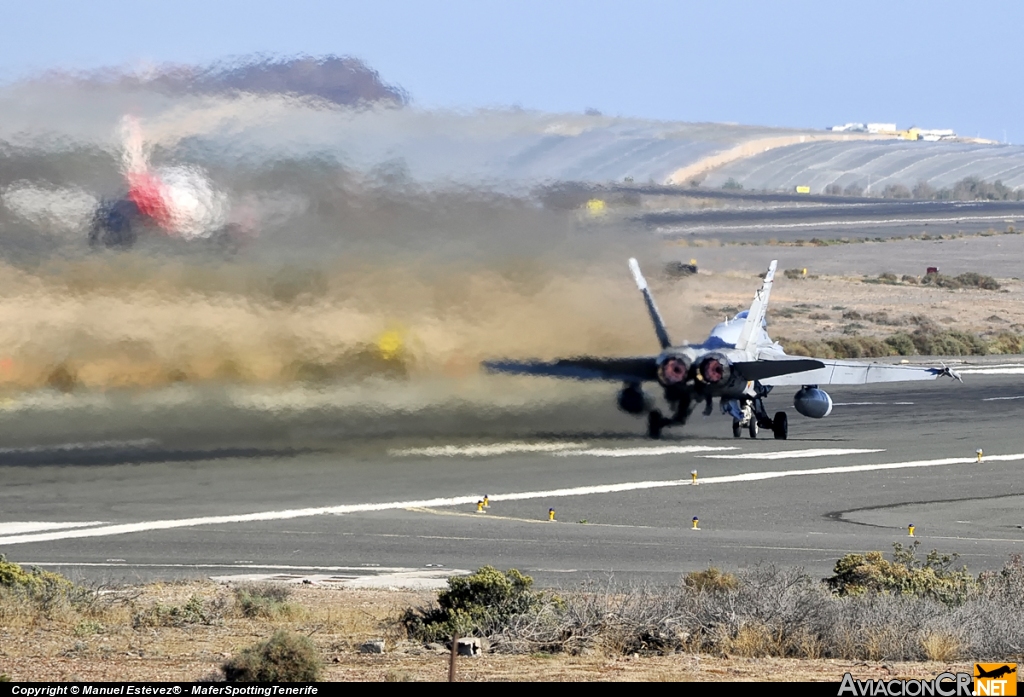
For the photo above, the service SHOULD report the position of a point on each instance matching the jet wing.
(837, 372)
(764, 370)
(640, 369)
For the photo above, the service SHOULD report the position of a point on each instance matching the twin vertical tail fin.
(652, 309)
(755, 315)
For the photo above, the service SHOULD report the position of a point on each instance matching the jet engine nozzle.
(674, 369)
(714, 369)
(812, 402)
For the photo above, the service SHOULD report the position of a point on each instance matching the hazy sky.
(937, 64)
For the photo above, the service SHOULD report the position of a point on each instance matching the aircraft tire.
(780, 425)
(655, 422)
(736, 430)
(753, 428)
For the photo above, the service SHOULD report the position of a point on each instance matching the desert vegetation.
(874, 607)
(967, 189)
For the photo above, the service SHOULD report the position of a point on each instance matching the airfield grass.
(145, 633)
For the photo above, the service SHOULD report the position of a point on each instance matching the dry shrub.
(194, 611)
(807, 643)
(908, 609)
(33, 594)
(757, 640)
(941, 645)
(933, 577)
(268, 600)
(285, 657)
(883, 642)
(711, 579)
(480, 603)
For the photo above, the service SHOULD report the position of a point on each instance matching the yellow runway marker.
(910, 530)
(695, 524)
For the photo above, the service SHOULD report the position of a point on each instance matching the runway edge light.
(695, 524)
(910, 530)
(551, 514)
(979, 453)
(480, 506)
(487, 501)
(693, 474)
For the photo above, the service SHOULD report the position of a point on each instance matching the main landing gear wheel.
(753, 427)
(655, 422)
(736, 428)
(780, 425)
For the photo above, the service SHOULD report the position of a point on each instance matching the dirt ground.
(120, 640)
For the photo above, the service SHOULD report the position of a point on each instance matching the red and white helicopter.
(178, 202)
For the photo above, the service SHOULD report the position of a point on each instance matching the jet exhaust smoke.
(280, 265)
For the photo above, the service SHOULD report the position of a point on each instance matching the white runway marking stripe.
(1019, 370)
(20, 528)
(480, 450)
(826, 223)
(998, 399)
(646, 451)
(125, 528)
(787, 454)
(229, 565)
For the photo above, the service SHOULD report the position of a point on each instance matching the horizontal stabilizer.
(761, 370)
(841, 372)
(642, 369)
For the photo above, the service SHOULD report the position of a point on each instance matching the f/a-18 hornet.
(738, 363)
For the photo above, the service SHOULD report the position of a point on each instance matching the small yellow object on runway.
(979, 453)
(480, 507)
(693, 474)
(487, 501)
(551, 514)
(695, 524)
(910, 530)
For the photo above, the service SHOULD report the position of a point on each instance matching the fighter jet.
(738, 363)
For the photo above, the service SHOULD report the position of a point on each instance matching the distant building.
(887, 128)
(937, 134)
(850, 128)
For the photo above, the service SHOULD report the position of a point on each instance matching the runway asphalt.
(109, 490)
(787, 221)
